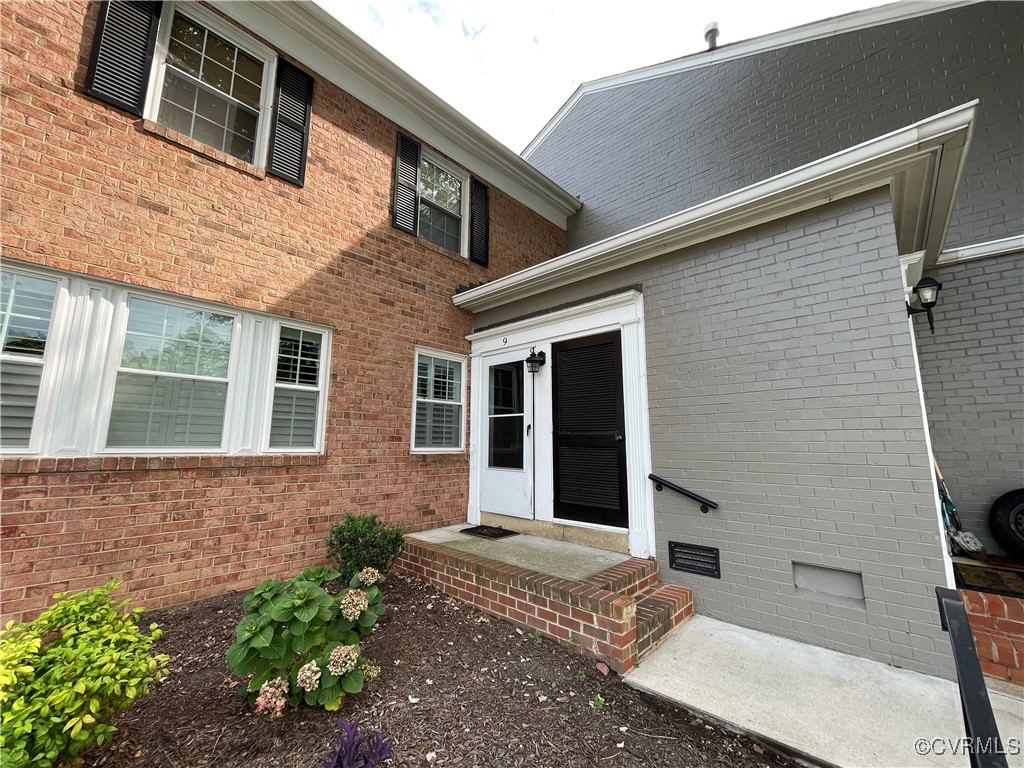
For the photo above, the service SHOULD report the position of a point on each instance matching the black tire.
(1006, 520)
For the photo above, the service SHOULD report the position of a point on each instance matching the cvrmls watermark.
(967, 746)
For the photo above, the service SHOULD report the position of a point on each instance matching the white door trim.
(623, 312)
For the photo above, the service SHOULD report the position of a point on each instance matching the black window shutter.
(478, 228)
(407, 169)
(289, 132)
(122, 53)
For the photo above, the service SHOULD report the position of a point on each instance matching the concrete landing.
(555, 558)
(831, 706)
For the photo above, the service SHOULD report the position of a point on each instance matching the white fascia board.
(316, 39)
(921, 164)
(817, 30)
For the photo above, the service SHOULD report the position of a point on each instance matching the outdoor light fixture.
(535, 360)
(927, 291)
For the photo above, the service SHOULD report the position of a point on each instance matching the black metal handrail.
(985, 747)
(704, 502)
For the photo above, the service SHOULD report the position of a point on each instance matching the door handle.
(528, 429)
(619, 438)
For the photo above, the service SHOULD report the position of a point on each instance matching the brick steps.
(659, 609)
(614, 615)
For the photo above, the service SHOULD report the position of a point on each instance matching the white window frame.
(233, 35)
(44, 400)
(464, 362)
(427, 155)
(83, 354)
(321, 387)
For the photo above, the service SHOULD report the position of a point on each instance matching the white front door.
(506, 447)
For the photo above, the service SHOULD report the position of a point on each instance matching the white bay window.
(140, 373)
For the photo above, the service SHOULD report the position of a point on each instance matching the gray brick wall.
(800, 414)
(972, 371)
(637, 153)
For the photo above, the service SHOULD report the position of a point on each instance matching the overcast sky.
(509, 66)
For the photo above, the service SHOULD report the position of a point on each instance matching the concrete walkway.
(830, 706)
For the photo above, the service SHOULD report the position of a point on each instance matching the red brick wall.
(601, 623)
(997, 623)
(88, 190)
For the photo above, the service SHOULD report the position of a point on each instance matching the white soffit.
(921, 165)
(837, 25)
(313, 37)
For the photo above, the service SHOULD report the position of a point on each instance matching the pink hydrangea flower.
(272, 697)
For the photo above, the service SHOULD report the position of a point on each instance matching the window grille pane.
(158, 411)
(26, 304)
(440, 187)
(298, 357)
(293, 420)
(19, 390)
(438, 379)
(173, 339)
(439, 227)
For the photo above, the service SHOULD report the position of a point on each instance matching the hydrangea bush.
(300, 643)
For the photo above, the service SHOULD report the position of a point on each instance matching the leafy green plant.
(598, 702)
(570, 642)
(363, 541)
(536, 636)
(581, 675)
(65, 673)
(300, 643)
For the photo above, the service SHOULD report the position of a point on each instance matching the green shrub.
(64, 674)
(363, 540)
(299, 643)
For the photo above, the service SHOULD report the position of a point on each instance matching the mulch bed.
(457, 688)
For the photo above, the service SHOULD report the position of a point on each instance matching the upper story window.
(111, 369)
(184, 67)
(442, 193)
(212, 89)
(439, 202)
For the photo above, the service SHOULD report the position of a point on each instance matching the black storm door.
(589, 435)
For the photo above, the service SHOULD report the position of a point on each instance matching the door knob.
(618, 438)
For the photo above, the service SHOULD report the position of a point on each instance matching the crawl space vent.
(694, 558)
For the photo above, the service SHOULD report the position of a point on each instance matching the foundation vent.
(693, 558)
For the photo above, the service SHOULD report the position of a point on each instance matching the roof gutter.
(921, 164)
(312, 36)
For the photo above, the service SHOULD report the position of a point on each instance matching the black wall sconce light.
(927, 292)
(535, 360)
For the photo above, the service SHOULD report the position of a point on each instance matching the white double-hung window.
(125, 371)
(439, 402)
(171, 385)
(212, 82)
